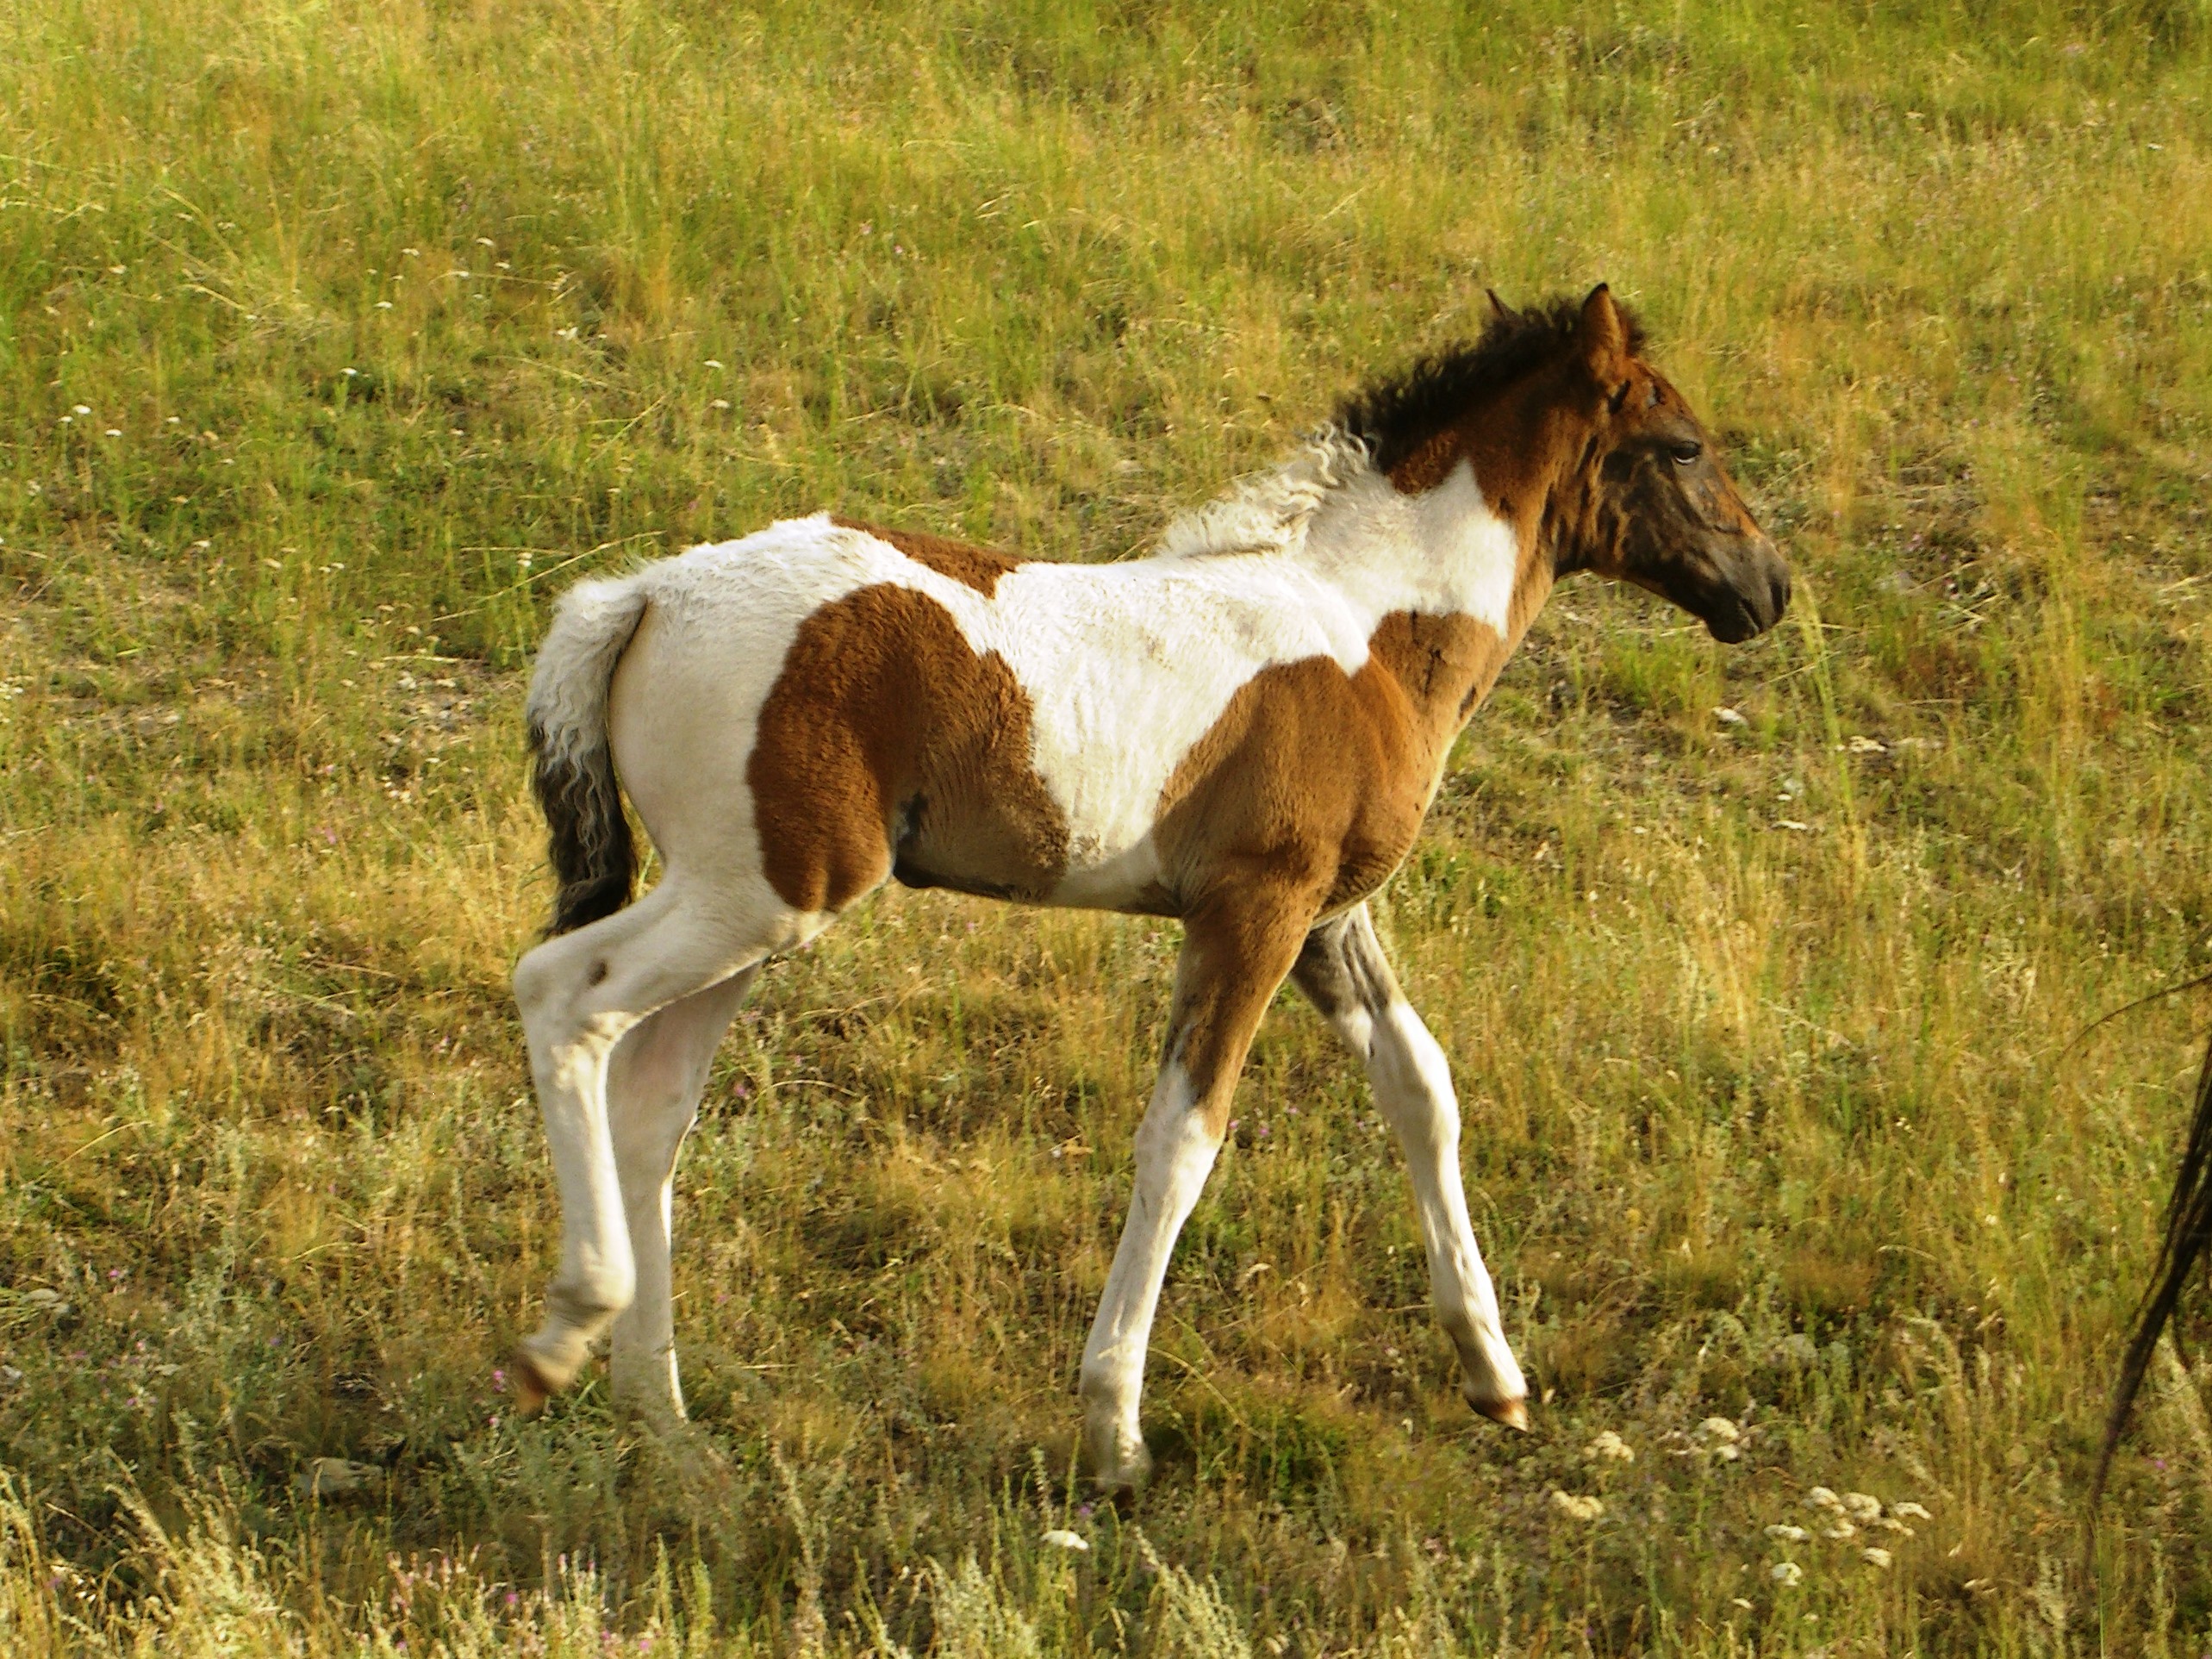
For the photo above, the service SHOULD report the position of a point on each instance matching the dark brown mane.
(1394, 417)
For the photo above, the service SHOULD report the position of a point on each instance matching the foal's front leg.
(1343, 971)
(1232, 960)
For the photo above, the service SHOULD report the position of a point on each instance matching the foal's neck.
(1450, 558)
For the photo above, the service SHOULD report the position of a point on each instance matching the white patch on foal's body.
(1126, 666)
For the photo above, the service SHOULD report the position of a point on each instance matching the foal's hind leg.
(1343, 971)
(1233, 959)
(580, 995)
(653, 1085)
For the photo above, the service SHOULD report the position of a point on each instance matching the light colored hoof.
(1119, 1462)
(1513, 1413)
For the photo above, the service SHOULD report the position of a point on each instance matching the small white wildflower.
(1912, 1510)
(484, 242)
(117, 269)
(1577, 1507)
(1788, 1534)
(1874, 1557)
(714, 363)
(1892, 1524)
(384, 305)
(1609, 1447)
(1821, 1498)
(1842, 1529)
(80, 408)
(1862, 1505)
(1729, 717)
(1787, 1573)
(719, 403)
(1061, 1538)
(1738, 1601)
(351, 374)
(114, 432)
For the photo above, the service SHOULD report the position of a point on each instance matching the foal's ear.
(1500, 309)
(1603, 335)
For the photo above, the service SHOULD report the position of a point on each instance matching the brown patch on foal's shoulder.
(1324, 776)
(1447, 665)
(1318, 778)
(887, 739)
(980, 568)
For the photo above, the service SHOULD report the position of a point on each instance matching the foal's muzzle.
(1753, 593)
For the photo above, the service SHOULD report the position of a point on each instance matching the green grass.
(1785, 1125)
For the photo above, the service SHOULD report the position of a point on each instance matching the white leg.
(580, 995)
(1175, 1148)
(1343, 971)
(1231, 963)
(653, 1085)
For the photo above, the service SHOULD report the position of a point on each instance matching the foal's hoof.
(1120, 1464)
(1513, 1413)
(531, 1388)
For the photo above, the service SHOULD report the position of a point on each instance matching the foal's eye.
(1687, 452)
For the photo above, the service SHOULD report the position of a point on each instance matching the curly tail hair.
(594, 858)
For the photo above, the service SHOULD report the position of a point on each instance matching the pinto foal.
(1243, 730)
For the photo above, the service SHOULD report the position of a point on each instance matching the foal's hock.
(1242, 731)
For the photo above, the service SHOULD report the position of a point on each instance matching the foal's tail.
(594, 858)
(2188, 1233)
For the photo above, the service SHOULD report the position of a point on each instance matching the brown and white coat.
(1244, 730)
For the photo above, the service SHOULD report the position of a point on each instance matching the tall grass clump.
(335, 338)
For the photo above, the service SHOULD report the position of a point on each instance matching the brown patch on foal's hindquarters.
(1308, 768)
(886, 736)
(980, 568)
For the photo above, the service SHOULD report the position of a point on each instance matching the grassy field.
(336, 336)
